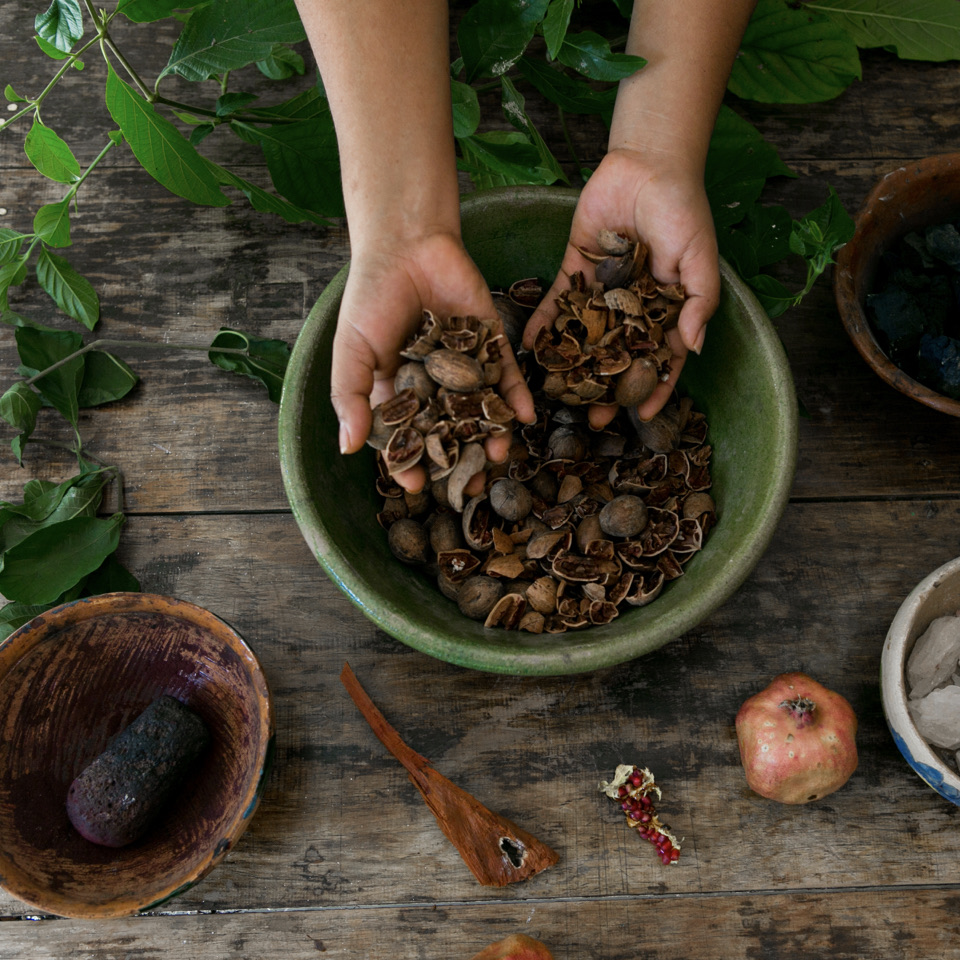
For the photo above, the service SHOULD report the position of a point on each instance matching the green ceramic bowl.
(741, 382)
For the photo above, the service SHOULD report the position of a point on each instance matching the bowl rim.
(19, 643)
(569, 659)
(849, 305)
(893, 689)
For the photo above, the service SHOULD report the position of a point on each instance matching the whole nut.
(510, 499)
(623, 516)
(445, 532)
(478, 595)
(408, 541)
(454, 370)
(697, 504)
(636, 383)
(660, 434)
(414, 376)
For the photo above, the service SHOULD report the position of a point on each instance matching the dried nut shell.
(477, 523)
(472, 461)
(457, 565)
(625, 300)
(408, 541)
(624, 516)
(542, 595)
(661, 434)
(696, 504)
(511, 499)
(418, 504)
(615, 271)
(446, 533)
(636, 383)
(413, 376)
(404, 450)
(588, 531)
(478, 595)
(454, 370)
(507, 613)
(613, 244)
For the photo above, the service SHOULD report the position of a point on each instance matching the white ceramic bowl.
(937, 595)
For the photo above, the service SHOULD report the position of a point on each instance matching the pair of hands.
(389, 287)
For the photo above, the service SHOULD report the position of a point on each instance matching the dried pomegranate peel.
(632, 787)
(495, 849)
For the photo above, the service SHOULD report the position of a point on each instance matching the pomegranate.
(517, 946)
(797, 740)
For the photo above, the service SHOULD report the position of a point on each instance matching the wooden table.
(343, 859)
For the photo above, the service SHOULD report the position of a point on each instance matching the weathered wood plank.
(341, 826)
(192, 437)
(859, 925)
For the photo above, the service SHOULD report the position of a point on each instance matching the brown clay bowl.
(911, 197)
(70, 680)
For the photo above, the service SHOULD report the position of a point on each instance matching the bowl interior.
(73, 678)
(906, 199)
(741, 382)
(937, 595)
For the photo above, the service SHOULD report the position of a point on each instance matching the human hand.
(660, 202)
(387, 289)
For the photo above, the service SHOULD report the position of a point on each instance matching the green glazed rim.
(741, 381)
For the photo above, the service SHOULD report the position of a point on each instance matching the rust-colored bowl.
(71, 679)
(911, 197)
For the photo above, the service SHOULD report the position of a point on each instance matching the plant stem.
(107, 41)
(34, 105)
(106, 342)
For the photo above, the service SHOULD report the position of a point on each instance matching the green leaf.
(105, 378)
(791, 55)
(71, 292)
(50, 155)
(111, 577)
(41, 348)
(494, 33)
(55, 558)
(40, 499)
(50, 50)
(568, 93)
(823, 231)
(52, 223)
(226, 35)
(590, 54)
(14, 615)
(61, 25)
(160, 147)
(19, 406)
(555, 24)
(80, 496)
(200, 133)
(918, 30)
(466, 109)
(774, 297)
(501, 158)
(303, 161)
(148, 11)
(267, 360)
(739, 162)
(11, 275)
(265, 201)
(10, 243)
(12, 95)
(309, 105)
(282, 63)
(515, 110)
(232, 102)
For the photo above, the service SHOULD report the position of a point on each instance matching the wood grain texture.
(342, 858)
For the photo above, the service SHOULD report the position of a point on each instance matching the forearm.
(668, 108)
(385, 67)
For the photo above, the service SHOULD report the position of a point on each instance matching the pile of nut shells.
(577, 523)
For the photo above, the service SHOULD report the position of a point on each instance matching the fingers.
(513, 388)
(351, 381)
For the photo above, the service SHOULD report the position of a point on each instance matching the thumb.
(351, 383)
